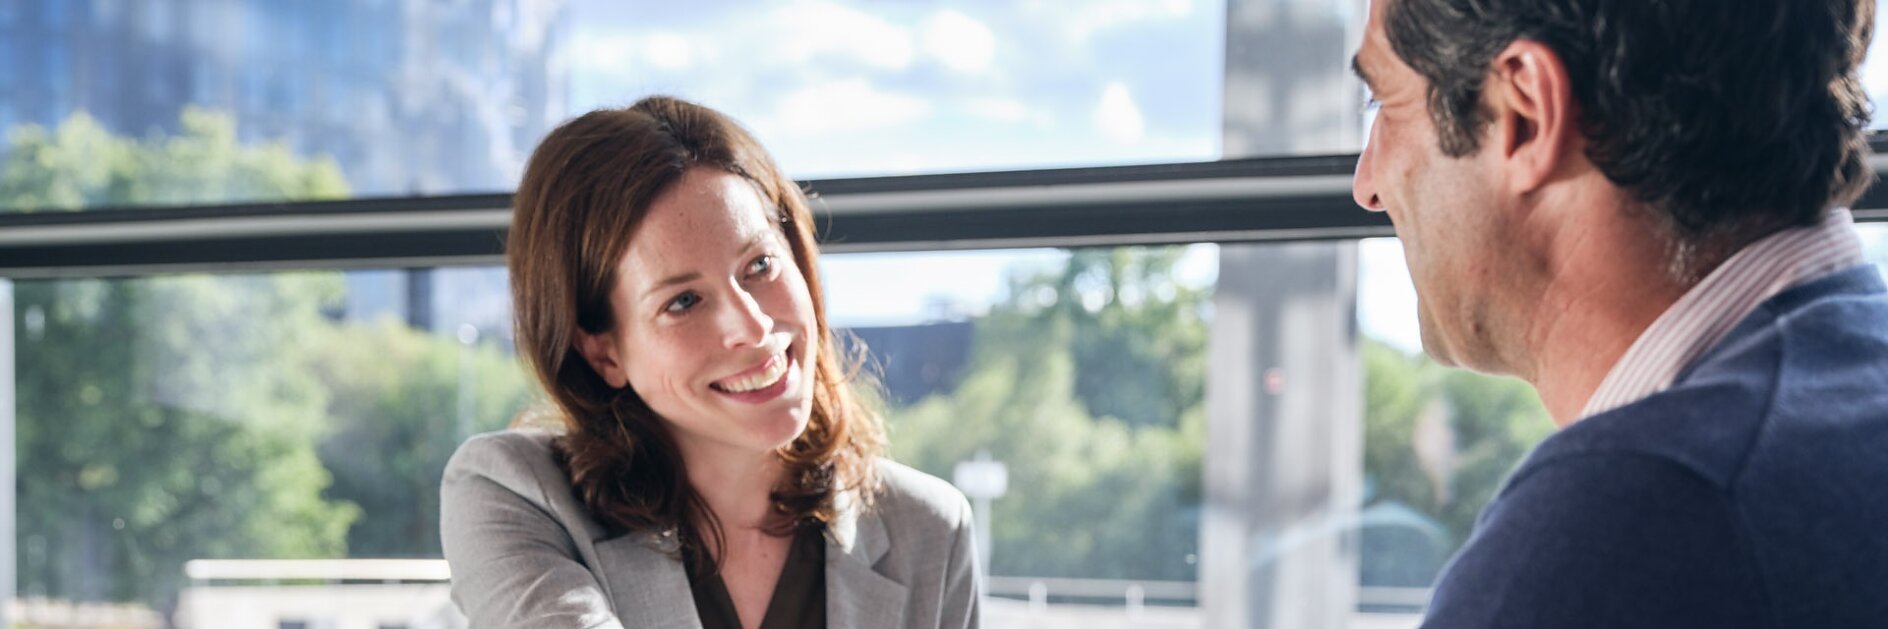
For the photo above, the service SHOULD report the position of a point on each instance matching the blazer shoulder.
(523, 461)
(914, 498)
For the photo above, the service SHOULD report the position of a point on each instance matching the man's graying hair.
(1728, 119)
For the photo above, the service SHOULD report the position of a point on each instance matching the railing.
(57, 614)
(204, 571)
(1036, 590)
(1135, 594)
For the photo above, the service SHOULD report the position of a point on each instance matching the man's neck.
(1607, 284)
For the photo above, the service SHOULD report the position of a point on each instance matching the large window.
(1197, 423)
(835, 87)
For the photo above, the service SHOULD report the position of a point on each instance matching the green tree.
(1137, 332)
(167, 418)
(80, 165)
(396, 398)
(1440, 442)
(1087, 383)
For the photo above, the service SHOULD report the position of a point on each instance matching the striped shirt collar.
(1707, 312)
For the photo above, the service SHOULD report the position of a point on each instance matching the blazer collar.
(646, 582)
(649, 586)
(857, 596)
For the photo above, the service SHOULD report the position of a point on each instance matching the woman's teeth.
(776, 368)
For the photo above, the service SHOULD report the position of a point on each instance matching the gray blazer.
(524, 552)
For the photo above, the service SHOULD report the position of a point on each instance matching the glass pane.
(1875, 244)
(860, 88)
(179, 434)
(1082, 373)
(167, 421)
(170, 420)
(307, 415)
(1875, 75)
(1438, 441)
(113, 103)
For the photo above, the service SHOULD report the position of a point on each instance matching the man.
(1636, 206)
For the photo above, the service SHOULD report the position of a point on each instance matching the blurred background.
(1228, 426)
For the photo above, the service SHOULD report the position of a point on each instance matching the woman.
(713, 468)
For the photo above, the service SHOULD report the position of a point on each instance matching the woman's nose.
(745, 323)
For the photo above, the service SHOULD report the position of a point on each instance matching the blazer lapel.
(857, 596)
(648, 586)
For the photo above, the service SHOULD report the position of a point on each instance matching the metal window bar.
(1246, 200)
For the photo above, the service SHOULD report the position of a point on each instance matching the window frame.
(1227, 201)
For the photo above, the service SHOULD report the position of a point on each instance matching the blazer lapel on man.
(857, 596)
(648, 586)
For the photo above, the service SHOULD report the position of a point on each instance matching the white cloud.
(959, 42)
(1096, 16)
(1117, 117)
(848, 105)
(998, 109)
(808, 30)
(669, 52)
(604, 54)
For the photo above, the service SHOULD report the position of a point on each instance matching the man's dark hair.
(1730, 118)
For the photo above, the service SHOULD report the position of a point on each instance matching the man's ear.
(1533, 112)
(600, 350)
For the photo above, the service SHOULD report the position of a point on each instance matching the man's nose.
(1363, 187)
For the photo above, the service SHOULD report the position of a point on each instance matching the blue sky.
(874, 88)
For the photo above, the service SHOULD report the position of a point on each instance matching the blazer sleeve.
(513, 564)
(963, 587)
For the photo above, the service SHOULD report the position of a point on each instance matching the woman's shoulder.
(523, 460)
(915, 499)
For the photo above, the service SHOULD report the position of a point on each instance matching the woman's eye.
(682, 302)
(761, 265)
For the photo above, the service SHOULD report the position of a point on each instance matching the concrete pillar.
(1284, 459)
(1289, 88)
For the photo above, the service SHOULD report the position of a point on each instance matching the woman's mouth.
(763, 382)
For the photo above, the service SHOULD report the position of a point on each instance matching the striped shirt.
(1707, 312)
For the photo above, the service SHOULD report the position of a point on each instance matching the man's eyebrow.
(1358, 67)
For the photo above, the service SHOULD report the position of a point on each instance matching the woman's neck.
(738, 487)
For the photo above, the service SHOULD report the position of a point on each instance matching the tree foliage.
(168, 418)
(1088, 382)
(80, 165)
(401, 401)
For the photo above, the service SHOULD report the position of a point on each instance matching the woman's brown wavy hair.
(584, 192)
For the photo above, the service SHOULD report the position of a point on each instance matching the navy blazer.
(1752, 493)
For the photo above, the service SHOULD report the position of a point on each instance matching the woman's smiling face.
(712, 319)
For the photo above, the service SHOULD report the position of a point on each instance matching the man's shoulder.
(1808, 369)
(1609, 539)
(1758, 466)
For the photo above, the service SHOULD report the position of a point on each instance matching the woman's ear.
(601, 351)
